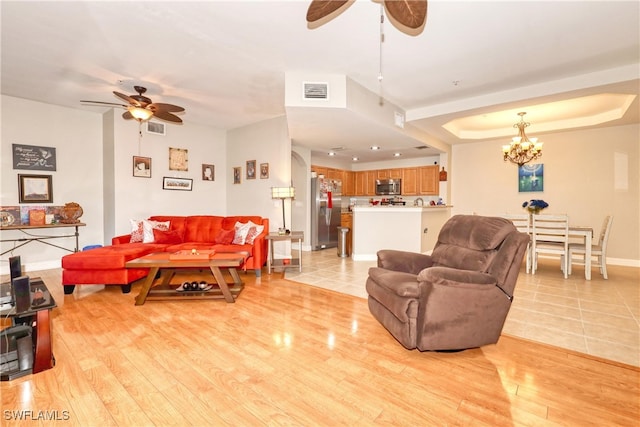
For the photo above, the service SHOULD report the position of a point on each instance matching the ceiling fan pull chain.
(139, 136)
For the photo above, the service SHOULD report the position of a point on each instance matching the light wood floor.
(292, 354)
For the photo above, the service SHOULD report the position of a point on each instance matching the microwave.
(388, 187)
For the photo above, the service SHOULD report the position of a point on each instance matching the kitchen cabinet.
(428, 180)
(319, 170)
(395, 173)
(370, 183)
(349, 183)
(409, 181)
(346, 220)
(360, 177)
(335, 174)
(366, 183)
(389, 173)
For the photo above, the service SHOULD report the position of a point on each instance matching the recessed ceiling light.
(375, 147)
(332, 153)
(397, 154)
(355, 159)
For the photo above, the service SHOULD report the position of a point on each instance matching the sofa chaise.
(106, 265)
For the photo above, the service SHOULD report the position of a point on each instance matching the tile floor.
(598, 317)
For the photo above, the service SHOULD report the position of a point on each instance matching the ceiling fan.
(141, 108)
(408, 16)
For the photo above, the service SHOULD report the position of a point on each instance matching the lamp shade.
(140, 114)
(283, 192)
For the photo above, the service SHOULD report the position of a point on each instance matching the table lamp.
(283, 193)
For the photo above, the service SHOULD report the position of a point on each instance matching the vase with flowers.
(535, 206)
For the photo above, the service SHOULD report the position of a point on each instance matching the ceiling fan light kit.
(140, 114)
(522, 150)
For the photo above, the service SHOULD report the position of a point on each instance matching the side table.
(26, 346)
(294, 262)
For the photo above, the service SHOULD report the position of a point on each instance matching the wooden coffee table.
(160, 262)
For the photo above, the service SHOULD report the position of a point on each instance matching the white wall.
(77, 137)
(139, 198)
(587, 175)
(265, 142)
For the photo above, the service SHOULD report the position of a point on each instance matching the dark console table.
(29, 237)
(26, 344)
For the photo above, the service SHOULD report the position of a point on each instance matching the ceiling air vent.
(315, 90)
(421, 147)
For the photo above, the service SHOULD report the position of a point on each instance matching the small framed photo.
(251, 169)
(237, 172)
(156, 128)
(35, 188)
(183, 184)
(208, 172)
(178, 159)
(264, 170)
(142, 167)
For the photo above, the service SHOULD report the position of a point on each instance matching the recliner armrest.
(454, 277)
(408, 262)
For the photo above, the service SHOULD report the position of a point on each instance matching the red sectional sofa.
(105, 265)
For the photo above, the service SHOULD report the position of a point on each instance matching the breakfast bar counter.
(405, 228)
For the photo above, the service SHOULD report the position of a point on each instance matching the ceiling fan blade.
(159, 106)
(408, 16)
(165, 115)
(104, 103)
(322, 11)
(127, 98)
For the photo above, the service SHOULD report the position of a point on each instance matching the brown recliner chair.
(456, 298)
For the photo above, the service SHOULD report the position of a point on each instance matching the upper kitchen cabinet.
(428, 180)
(389, 173)
(409, 181)
(366, 183)
(348, 183)
(319, 170)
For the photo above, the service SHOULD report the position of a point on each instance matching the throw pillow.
(148, 227)
(167, 237)
(241, 231)
(254, 232)
(137, 234)
(224, 237)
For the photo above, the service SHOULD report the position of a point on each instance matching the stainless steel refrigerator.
(326, 197)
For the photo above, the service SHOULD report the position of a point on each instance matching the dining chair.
(550, 237)
(598, 249)
(522, 222)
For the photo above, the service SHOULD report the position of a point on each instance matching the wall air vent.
(315, 90)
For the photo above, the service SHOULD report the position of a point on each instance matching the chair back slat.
(551, 228)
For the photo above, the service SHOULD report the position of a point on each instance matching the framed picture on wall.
(251, 169)
(530, 178)
(208, 172)
(264, 170)
(237, 172)
(183, 184)
(178, 159)
(142, 167)
(35, 188)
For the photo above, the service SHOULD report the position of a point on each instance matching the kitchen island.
(405, 228)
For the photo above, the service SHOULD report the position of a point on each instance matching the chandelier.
(522, 149)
